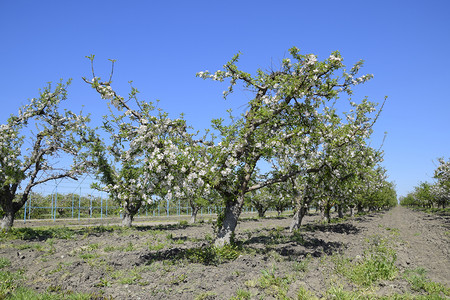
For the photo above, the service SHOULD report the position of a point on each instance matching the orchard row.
(429, 195)
(299, 142)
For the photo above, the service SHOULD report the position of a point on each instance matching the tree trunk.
(129, 210)
(127, 219)
(352, 213)
(297, 219)
(195, 210)
(10, 207)
(321, 211)
(261, 212)
(8, 220)
(225, 230)
(360, 208)
(325, 213)
(340, 211)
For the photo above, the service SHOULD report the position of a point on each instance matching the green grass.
(271, 284)
(110, 248)
(155, 246)
(420, 283)
(304, 294)
(212, 255)
(377, 263)
(133, 276)
(4, 262)
(302, 266)
(9, 282)
(242, 295)
(205, 296)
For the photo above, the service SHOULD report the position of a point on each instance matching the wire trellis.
(76, 199)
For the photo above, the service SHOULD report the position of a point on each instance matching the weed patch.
(271, 284)
(4, 262)
(420, 283)
(377, 263)
(212, 255)
(242, 295)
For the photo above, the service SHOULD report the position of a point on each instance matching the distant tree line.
(431, 194)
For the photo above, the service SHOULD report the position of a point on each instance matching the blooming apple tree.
(147, 155)
(53, 135)
(441, 189)
(335, 157)
(285, 116)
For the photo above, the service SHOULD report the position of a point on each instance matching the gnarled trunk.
(297, 219)
(359, 208)
(127, 219)
(325, 213)
(352, 213)
(9, 206)
(225, 230)
(195, 210)
(261, 212)
(340, 210)
(7, 220)
(129, 210)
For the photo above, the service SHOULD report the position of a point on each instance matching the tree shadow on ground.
(335, 228)
(162, 227)
(292, 245)
(44, 233)
(205, 254)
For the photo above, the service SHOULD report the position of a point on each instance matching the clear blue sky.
(161, 45)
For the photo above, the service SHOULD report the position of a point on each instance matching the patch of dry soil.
(150, 262)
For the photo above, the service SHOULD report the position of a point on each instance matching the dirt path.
(424, 241)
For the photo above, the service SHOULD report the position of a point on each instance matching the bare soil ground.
(169, 261)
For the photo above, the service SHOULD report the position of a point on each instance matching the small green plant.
(205, 295)
(155, 247)
(87, 256)
(117, 274)
(304, 294)
(109, 248)
(129, 247)
(9, 282)
(177, 279)
(54, 288)
(92, 247)
(378, 262)
(242, 295)
(276, 235)
(275, 256)
(298, 237)
(271, 284)
(209, 238)
(133, 277)
(337, 292)
(302, 266)
(212, 255)
(58, 268)
(103, 283)
(4, 262)
(183, 223)
(51, 243)
(419, 282)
